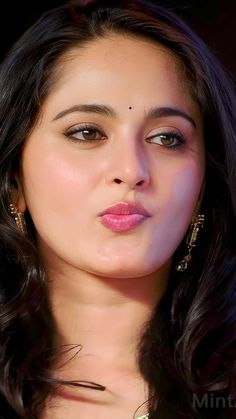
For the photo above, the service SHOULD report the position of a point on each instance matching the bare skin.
(104, 285)
(114, 319)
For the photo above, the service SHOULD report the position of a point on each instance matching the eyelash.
(81, 128)
(86, 127)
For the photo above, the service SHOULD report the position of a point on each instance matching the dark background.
(213, 20)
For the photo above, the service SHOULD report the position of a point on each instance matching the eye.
(167, 139)
(85, 133)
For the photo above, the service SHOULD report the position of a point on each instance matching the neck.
(104, 315)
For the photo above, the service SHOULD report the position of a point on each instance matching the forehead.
(118, 53)
(121, 69)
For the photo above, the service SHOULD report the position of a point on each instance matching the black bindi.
(130, 107)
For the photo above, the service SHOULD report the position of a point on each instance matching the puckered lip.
(126, 208)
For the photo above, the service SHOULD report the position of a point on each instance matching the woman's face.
(119, 126)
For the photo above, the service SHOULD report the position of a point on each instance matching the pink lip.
(124, 216)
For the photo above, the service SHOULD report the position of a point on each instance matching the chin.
(123, 269)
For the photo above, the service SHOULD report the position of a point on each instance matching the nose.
(128, 164)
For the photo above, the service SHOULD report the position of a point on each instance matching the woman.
(118, 157)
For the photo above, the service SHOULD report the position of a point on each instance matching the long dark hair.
(188, 348)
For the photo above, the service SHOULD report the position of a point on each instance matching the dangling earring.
(19, 218)
(191, 242)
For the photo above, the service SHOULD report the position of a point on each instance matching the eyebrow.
(153, 113)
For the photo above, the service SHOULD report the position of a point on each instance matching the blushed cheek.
(55, 184)
(187, 184)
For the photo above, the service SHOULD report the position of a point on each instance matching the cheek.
(182, 191)
(56, 184)
(178, 194)
(187, 183)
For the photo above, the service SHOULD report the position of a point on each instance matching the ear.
(21, 204)
(18, 197)
(199, 201)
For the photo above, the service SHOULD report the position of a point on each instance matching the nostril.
(118, 181)
(139, 183)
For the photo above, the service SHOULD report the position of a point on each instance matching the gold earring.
(19, 218)
(191, 242)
